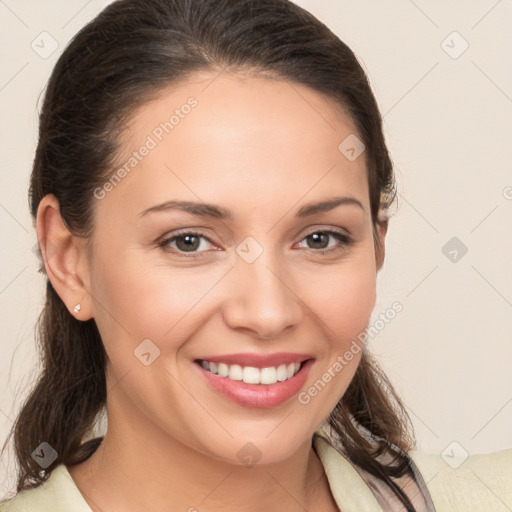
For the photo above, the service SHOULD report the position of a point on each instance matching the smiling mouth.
(250, 374)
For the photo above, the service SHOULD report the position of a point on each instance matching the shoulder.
(57, 494)
(473, 483)
(480, 482)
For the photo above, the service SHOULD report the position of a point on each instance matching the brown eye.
(319, 241)
(186, 242)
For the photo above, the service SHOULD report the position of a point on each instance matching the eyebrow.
(218, 212)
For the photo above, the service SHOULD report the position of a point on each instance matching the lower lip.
(262, 396)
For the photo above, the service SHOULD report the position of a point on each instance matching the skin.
(261, 148)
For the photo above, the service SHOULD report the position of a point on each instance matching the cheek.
(139, 300)
(343, 298)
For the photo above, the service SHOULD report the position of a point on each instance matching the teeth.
(223, 370)
(281, 373)
(268, 375)
(252, 375)
(235, 372)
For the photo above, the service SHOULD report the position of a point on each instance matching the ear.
(65, 258)
(380, 249)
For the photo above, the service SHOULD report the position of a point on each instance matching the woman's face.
(255, 278)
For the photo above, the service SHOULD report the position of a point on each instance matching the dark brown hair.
(132, 50)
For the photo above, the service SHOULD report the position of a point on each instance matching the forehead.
(238, 139)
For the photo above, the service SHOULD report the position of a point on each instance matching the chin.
(260, 448)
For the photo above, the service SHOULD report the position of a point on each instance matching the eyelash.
(346, 241)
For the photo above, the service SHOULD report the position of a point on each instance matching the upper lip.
(258, 360)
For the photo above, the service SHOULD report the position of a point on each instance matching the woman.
(210, 191)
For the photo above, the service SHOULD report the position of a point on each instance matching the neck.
(140, 467)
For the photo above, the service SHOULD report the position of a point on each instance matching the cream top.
(481, 482)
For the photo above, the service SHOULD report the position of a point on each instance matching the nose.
(262, 300)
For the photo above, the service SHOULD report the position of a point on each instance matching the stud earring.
(77, 308)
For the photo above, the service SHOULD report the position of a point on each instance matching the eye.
(190, 243)
(318, 241)
(185, 242)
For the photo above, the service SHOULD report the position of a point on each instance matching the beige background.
(448, 127)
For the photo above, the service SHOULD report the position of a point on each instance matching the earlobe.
(64, 255)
